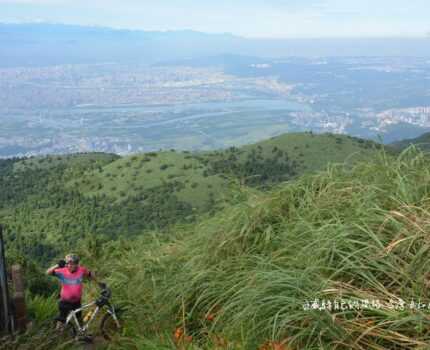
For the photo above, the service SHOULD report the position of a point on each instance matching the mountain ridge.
(30, 45)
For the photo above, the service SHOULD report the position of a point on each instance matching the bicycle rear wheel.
(110, 327)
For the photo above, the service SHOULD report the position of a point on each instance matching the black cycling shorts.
(65, 307)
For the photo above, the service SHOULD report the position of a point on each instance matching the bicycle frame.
(85, 325)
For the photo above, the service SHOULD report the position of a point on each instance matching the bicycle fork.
(112, 312)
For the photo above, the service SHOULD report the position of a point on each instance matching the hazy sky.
(251, 18)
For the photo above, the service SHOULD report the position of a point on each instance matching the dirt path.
(97, 343)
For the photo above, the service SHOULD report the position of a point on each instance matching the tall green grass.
(352, 234)
(41, 308)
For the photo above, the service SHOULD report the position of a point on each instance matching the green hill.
(49, 202)
(134, 175)
(203, 178)
(199, 179)
(288, 156)
(423, 142)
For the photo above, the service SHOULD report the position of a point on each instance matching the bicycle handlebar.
(105, 294)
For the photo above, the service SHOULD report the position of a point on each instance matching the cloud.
(268, 18)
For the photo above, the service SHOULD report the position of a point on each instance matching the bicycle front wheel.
(110, 327)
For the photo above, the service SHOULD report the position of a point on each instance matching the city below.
(126, 109)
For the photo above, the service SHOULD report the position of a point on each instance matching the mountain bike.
(77, 327)
(109, 325)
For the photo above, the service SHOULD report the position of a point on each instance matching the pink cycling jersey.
(71, 283)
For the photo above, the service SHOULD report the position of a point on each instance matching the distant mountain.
(48, 44)
(422, 142)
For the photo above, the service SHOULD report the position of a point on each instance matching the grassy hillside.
(288, 156)
(133, 175)
(49, 204)
(264, 271)
(200, 178)
(313, 152)
(423, 142)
